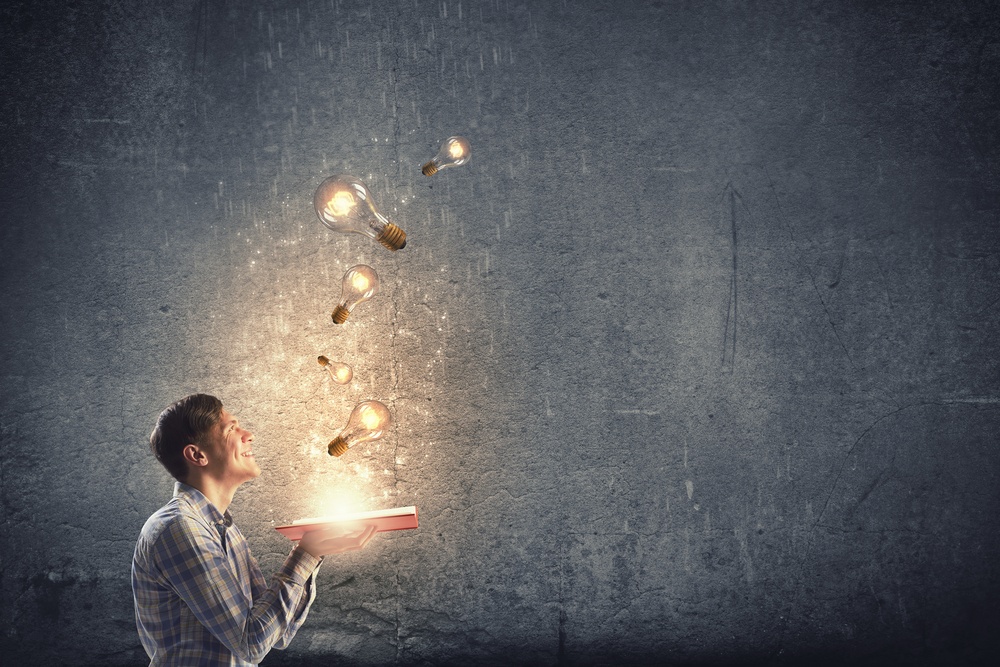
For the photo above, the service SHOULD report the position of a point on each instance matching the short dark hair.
(181, 424)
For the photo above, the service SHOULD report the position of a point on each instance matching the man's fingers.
(338, 541)
(362, 539)
(367, 534)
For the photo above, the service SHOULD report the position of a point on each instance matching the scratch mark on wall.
(885, 277)
(687, 550)
(840, 267)
(819, 517)
(883, 475)
(561, 655)
(732, 308)
(741, 538)
(802, 264)
(847, 455)
(200, 40)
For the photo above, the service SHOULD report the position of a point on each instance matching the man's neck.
(218, 493)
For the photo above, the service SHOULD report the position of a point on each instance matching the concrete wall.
(696, 360)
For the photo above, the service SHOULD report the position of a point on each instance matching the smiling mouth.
(247, 454)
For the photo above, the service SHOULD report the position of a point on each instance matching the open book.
(397, 518)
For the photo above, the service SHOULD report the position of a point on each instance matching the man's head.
(197, 434)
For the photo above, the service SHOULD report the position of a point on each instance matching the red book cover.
(397, 518)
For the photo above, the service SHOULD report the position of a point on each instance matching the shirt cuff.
(300, 565)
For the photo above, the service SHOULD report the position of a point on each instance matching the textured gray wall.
(695, 361)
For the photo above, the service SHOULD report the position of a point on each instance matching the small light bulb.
(344, 204)
(360, 283)
(455, 152)
(339, 372)
(368, 421)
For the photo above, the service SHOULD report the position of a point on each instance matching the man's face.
(231, 451)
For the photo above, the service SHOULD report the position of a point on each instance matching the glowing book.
(397, 518)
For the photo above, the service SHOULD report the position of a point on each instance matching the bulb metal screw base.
(339, 316)
(392, 237)
(336, 447)
(429, 169)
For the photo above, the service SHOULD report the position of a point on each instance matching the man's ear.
(195, 455)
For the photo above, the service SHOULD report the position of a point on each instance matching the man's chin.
(252, 472)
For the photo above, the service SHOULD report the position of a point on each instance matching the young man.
(200, 598)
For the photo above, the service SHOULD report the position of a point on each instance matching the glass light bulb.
(344, 204)
(360, 283)
(339, 372)
(368, 421)
(455, 152)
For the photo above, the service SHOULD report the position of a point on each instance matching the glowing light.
(371, 419)
(339, 372)
(359, 284)
(336, 501)
(454, 152)
(341, 204)
(368, 421)
(338, 202)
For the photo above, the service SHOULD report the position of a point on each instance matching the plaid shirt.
(200, 597)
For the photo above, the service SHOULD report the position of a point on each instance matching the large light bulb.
(369, 421)
(455, 152)
(339, 372)
(344, 204)
(359, 284)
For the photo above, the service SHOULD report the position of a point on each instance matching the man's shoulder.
(175, 518)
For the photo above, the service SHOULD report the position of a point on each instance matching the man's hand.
(325, 542)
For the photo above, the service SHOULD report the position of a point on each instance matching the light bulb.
(455, 152)
(344, 204)
(359, 284)
(369, 421)
(339, 372)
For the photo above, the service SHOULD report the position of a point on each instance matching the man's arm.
(319, 544)
(258, 587)
(191, 560)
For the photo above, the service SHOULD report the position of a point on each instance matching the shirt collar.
(202, 504)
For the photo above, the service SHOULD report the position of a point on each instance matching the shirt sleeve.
(192, 562)
(259, 588)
